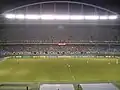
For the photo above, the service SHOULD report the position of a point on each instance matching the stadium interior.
(59, 45)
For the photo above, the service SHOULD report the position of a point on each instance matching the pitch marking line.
(69, 68)
(73, 77)
(3, 59)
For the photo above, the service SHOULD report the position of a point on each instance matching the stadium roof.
(71, 11)
(68, 2)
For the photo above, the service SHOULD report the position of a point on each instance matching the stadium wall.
(110, 56)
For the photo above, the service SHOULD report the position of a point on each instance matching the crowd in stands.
(58, 50)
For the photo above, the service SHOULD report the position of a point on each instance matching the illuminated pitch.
(65, 69)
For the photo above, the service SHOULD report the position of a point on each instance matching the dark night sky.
(113, 5)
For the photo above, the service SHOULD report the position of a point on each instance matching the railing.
(58, 42)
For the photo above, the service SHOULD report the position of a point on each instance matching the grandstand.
(59, 42)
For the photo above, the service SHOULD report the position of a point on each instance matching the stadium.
(59, 45)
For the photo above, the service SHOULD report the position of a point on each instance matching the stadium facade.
(58, 24)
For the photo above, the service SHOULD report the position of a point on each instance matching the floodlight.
(10, 16)
(91, 17)
(32, 17)
(76, 17)
(19, 16)
(104, 17)
(47, 17)
(112, 17)
(62, 17)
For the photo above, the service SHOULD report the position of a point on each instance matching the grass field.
(60, 70)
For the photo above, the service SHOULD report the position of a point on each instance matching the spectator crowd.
(52, 50)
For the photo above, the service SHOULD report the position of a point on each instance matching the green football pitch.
(60, 70)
